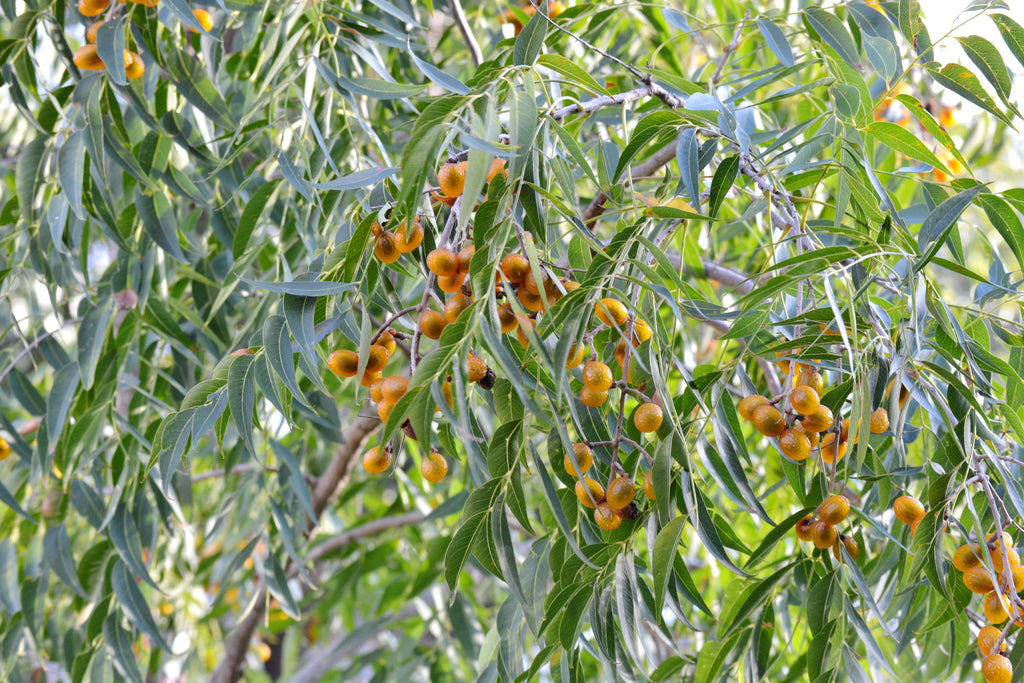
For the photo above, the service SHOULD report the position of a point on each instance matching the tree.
(552, 276)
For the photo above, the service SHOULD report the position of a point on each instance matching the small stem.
(467, 35)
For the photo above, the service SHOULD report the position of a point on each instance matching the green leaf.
(777, 42)
(58, 400)
(530, 40)
(459, 547)
(130, 598)
(127, 542)
(110, 46)
(909, 12)
(91, 333)
(650, 127)
(964, 83)
(10, 595)
(378, 89)
(88, 503)
(986, 57)
(940, 221)
(71, 171)
(26, 175)
(158, 219)
(725, 177)
(251, 216)
(446, 81)
(1013, 35)
(903, 141)
(277, 583)
(665, 545)
(686, 157)
(503, 451)
(568, 68)
(1006, 221)
(296, 479)
(119, 645)
(751, 596)
(352, 181)
(242, 397)
(831, 30)
(278, 347)
(57, 553)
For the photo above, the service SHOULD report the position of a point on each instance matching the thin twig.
(467, 35)
(656, 161)
(729, 50)
(33, 344)
(369, 529)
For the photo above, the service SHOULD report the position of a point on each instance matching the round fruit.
(832, 450)
(452, 179)
(804, 400)
(997, 558)
(134, 67)
(595, 489)
(92, 8)
(811, 378)
(343, 363)
(584, 457)
(818, 421)
(515, 267)
(621, 492)
(620, 353)
(992, 540)
(394, 387)
(386, 248)
(575, 357)
(432, 324)
(369, 378)
(749, 404)
(378, 358)
(908, 509)
(497, 166)
(90, 33)
(507, 319)
(534, 282)
(592, 398)
(384, 409)
(597, 376)
(641, 332)
(204, 19)
(456, 304)
(442, 262)
(823, 535)
(449, 284)
(879, 421)
(376, 394)
(434, 467)
(647, 417)
(606, 517)
(978, 580)
(769, 421)
(995, 605)
(611, 312)
(5, 449)
(86, 58)
(649, 485)
(794, 444)
(1016, 571)
(803, 529)
(813, 437)
(997, 669)
(377, 460)
(531, 302)
(477, 368)
(409, 238)
(967, 557)
(834, 509)
(988, 636)
(851, 548)
(464, 257)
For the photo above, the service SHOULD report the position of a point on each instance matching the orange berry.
(204, 19)
(531, 302)
(978, 580)
(908, 509)
(507, 320)
(810, 377)
(1016, 572)
(818, 421)
(995, 607)
(769, 421)
(376, 393)
(575, 357)
(442, 262)
(90, 33)
(477, 368)
(384, 409)
(593, 398)
(879, 421)
(813, 437)
(376, 460)
(834, 509)
(794, 444)
(749, 404)
(456, 304)
(343, 363)
(452, 179)
(997, 558)
(596, 491)
(515, 267)
(597, 376)
(434, 467)
(432, 324)
(386, 248)
(378, 358)
(584, 456)
(641, 332)
(851, 548)
(804, 400)
(497, 166)
(649, 485)
(802, 529)
(997, 669)
(394, 387)
(409, 238)
(611, 312)
(387, 340)
(823, 535)
(449, 284)
(463, 258)
(988, 636)
(621, 492)
(86, 58)
(134, 67)
(606, 517)
(832, 449)
(369, 378)
(648, 417)
(92, 8)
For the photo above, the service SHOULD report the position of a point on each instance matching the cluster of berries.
(820, 528)
(611, 505)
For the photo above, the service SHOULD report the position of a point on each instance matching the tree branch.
(369, 529)
(647, 168)
(467, 35)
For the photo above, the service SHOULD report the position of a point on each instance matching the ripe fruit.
(996, 606)
(204, 19)
(515, 267)
(648, 417)
(497, 166)
(377, 460)
(343, 363)
(967, 557)
(769, 421)
(823, 535)
(378, 358)
(434, 467)
(592, 398)
(90, 33)
(908, 509)
(595, 489)
(442, 262)
(649, 485)
(384, 409)
(851, 548)
(409, 238)
(803, 529)
(531, 302)
(507, 320)
(804, 400)
(611, 312)
(978, 580)
(432, 324)
(641, 332)
(1016, 571)
(449, 284)
(749, 404)
(997, 669)
(369, 378)
(133, 65)
(813, 437)
(810, 378)
(794, 444)
(456, 304)
(477, 368)
(597, 376)
(394, 387)
(879, 421)
(452, 179)
(584, 457)
(621, 492)
(463, 258)
(997, 558)
(376, 395)
(818, 421)
(387, 340)
(834, 509)
(575, 357)
(386, 248)
(92, 8)
(832, 449)
(606, 517)
(988, 636)
(86, 58)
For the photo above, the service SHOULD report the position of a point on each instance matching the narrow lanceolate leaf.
(378, 89)
(131, 599)
(777, 43)
(1013, 35)
(909, 18)
(938, 223)
(903, 141)
(724, 178)
(58, 401)
(57, 553)
(753, 594)
(963, 82)
(251, 216)
(303, 288)
(986, 57)
(278, 347)
(10, 595)
(833, 32)
(71, 170)
(530, 41)
(352, 181)
(119, 645)
(664, 554)
(91, 334)
(242, 396)
(686, 157)
(446, 81)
